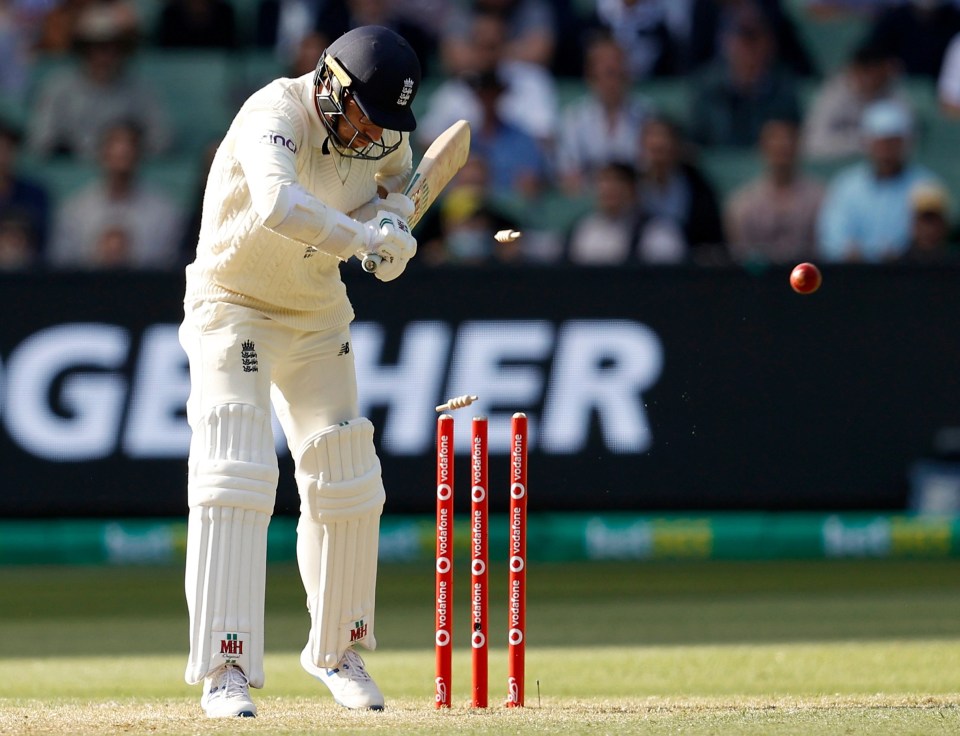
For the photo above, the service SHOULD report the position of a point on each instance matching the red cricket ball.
(805, 278)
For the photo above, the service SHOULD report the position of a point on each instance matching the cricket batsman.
(306, 177)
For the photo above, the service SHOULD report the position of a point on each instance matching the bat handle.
(370, 262)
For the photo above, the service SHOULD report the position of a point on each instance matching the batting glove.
(394, 202)
(391, 242)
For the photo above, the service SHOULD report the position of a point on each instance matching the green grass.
(841, 647)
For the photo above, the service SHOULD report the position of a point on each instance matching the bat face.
(441, 162)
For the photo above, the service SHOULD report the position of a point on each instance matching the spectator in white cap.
(866, 215)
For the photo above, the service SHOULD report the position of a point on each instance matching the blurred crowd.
(608, 131)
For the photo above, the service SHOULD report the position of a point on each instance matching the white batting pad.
(342, 496)
(231, 493)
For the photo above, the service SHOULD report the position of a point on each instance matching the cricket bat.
(441, 162)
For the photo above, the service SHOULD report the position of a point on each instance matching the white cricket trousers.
(310, 376)
(241, 364)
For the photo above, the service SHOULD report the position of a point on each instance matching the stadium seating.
(61, 177)
(729, 168)
(246, 11)
(196, 89)
(669, 97)
(13, 110)
(148, 11)
(177, 176)
(260, 66)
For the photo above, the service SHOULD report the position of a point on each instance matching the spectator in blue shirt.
(515, 159)
(866, 215)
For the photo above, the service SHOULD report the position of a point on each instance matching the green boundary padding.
(557, 537)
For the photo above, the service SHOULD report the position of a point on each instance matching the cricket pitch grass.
(824, 647)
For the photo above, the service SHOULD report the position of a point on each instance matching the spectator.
(832, 128)
(616, 231)
(15, 41)
(827, 10)
(282, 24)
(60, 25)
(948, 85)
(529, 102)
(469, 221)
(529, 33)
(866, 212)
(917, 32)
(310, 48)
(673, 189)
(737, 94)
(117, 221)
(773, 218)
(336, 17)
(191, 230)
(77, 103)
(572, 31)
(602, 125)
(24, 207)
(930, 236)
(642, 29)
(515, 160)
(17, 252)
(197, 24)
(470, 225)
(708, 18)
(459, 228)
(303, 60)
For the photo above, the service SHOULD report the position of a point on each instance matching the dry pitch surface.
(693, 716)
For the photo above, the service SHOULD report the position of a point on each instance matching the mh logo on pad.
(231, 647)
(359, 630)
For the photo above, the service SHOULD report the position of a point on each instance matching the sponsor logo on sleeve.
(276, 139)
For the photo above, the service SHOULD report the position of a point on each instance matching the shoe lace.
(351, 664)
(233, 682)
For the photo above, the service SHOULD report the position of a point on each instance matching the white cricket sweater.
(273, 229)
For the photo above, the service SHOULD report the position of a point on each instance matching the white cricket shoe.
(350, 683)
(226, 693)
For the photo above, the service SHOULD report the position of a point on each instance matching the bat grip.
(370, 262)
